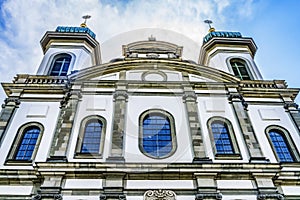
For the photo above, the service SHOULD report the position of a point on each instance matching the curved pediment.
(152, 47)
(154, 68)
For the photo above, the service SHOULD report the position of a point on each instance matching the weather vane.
(209, 22)
(85, 17)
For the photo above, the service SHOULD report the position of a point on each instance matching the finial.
(211, 29)
(85, 17)
(151, 38)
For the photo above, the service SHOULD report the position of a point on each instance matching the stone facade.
(151, 81)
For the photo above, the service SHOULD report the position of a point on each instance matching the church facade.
(150, 123)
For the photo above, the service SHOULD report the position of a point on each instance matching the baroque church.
(148, 116)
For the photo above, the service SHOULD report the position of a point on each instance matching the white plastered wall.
(45, 113)
(101, 105)
(263, 116)
(220, 61)
(219, 107)
(174, 105)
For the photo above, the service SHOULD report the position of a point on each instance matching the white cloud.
(27, 21)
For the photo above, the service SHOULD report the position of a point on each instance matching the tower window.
(223, 138)
(157, 131)
(26, 143)
(282, 145)
(240, 69)
(60, 65)
(91, 137)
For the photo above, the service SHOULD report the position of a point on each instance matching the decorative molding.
(115, 196)
(291, 105)
(201, 196)
(37, 197)
(55, 196)
(67, 97)
(189, 97)
(240, 97)
(159, 195)
(270, 196)
(120, 95)
(12, 101)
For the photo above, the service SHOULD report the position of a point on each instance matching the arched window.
(223, 138)
(60, 65)
(240, 69)
(157, 134)
(282, 145)
(26, 142)
(91, 137)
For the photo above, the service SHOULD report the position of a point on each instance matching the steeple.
(69, 49)
(230, 52)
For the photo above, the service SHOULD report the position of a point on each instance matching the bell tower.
(69, 49)
(230, 52)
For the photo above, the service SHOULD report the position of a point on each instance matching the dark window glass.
(240, 69)
(281, 146)
(221, 138)
(157, 139)
(61, 65)
(92, 136)
(27, 144)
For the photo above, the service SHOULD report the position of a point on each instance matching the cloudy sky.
(274, 25)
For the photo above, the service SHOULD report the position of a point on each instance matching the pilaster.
(51, 187)
(58, 151)
(265, 187)
(207, 187)
(119, 119)
(8, 109)
(113, 187)
(240, 110)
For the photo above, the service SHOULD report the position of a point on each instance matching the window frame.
(84, 122)
(57, 56)
(245, 63)
(11, 158)
(172, 132)
(288, 140)
(231, 134)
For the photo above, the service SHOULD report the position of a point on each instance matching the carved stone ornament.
(189, 97)
(240, 97)
(120, 95)
(11, 100)
(292, 104)
(270, 196)
(159, 195)
(67, 97)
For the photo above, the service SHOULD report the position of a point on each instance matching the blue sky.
(273, 24)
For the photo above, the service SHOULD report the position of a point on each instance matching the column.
(240, 109)
(60, 142)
